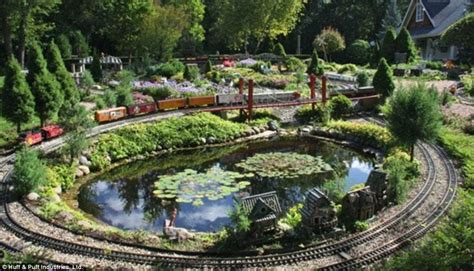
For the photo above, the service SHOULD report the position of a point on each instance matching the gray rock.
(64, 216)
(211, 140)
(256, 130)
(55, 198)
(84, 169)
(84, 225)
(181, 234)
(32, 196)
(305, 130)
(79, 173)
(273, 125)
(58, 190)
(84, 161)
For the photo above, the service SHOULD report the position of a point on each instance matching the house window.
(420, 14)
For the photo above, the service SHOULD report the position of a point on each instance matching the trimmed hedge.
(367, 131)
(140, 139)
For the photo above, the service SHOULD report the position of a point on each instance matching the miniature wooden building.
(318, 212)
(263, 210)
(378, 183)
(359, 204)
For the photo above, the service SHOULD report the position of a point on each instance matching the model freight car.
(111, 114)
(45, 133)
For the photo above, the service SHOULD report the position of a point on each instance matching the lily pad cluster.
(191, 186)
(281, 165)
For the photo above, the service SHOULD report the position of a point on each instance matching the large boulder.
(84, 169)
(84, 161)
(180, 234)
(57, 190)
(79, 173)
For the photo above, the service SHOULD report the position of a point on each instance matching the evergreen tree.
(392, 15)
(404, 44)
(64, 46)
(280, 50)
(45, 88)
(383, 79)
(68, 86)
(388, 46)
(76, 122)
(80, 45)
(314, 67)
(29, 171)
(124, 94)
(96, 68)
(18, 103)
(208, 67)
(413, 115)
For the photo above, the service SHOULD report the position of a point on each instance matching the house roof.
(103, 60)
(442, 14)
(270, 199)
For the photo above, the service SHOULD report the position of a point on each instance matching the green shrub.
(383, 79)
(293, 64)
(261, 67)
(109, 98)
(293, 216)
(63, 175)
(191, 72)
(340, 106)
(208, 67)
(321, 114)
(168, 69)
(280, 50)
(99, 102)
(214, 76)
(434, 65)
(240, 219)
(171, 133)
(362, 79)
(468, 81)
(361, 226)
(367, 131)
(315, 67)
(29, 171)
(358, 52)
(159, 93)
(347, 68)
(402, 174)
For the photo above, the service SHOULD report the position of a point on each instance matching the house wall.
(413, 24)
(432, 49)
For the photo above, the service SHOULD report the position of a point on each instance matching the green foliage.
(109, 98)
(79, 44)
(30, 257)
(329, 41)
(367, 131)
(321, 114)
(383, 79)
(362, 79)
(87, 81)
(261, 67)
(361, 226)
(413, 114)
(314, 67)
(402, 175)
(468, 81)
(293, 216)
(62, 174)
(214, 76)
(347, 68)
(57, 67)
(168, 69)
(340, 106)
(124, 94)
(434, 65)
(191, 73)
(388, 46)
(191, 186)
(358, 52)
(357, 186)
(159, 93)
(447, 248)
(64, 46)
(280, 50)
(294, 64)
(96, 68)
(29, 171)
(171, 133)
(208, 66)
(76, 121)
(239, 218)
(461, 146)
(17, 100)
(44, 86)
(459, 34)
(405, 44)
(280, 165)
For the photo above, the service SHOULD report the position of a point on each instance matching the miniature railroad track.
(203, 260)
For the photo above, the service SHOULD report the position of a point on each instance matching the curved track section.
(202, 260)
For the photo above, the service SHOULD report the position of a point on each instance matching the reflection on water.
(124, 196)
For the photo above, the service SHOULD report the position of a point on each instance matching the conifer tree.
(388, 46)
(404, 44)
(57, 67)
(314, 67)
(45, 88)
(96, 68)
(79, 44)
(383, 79)
(208, 67)
(64, 46)
(18, 103)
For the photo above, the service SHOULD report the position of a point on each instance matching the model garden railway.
(173, 259)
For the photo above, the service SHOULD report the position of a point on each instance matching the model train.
(118, 113)
(37, 136)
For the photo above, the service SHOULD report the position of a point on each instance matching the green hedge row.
(141, 139)
(368, 131)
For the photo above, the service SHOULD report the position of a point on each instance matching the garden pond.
(200, 186)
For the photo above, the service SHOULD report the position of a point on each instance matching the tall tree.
(79, 44)
(18, 103)
(239, 21)
(64, 46)
(383, 79)
(76, 122)
(413, 114)
(96, 68)
(29, 171)
(45, 88)
(57, 67)
(314, 67)
(329, 41)
(392, 15)
(388, 46)
(405, 44)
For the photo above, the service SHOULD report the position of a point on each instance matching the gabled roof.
(270, 199)
(442, 14)
(313, 197)
(103, 60)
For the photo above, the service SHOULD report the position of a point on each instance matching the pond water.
(124, 196)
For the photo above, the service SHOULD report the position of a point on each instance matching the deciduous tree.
(329, 41)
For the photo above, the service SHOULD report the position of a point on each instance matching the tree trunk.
(22, 42)
(412, 153)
